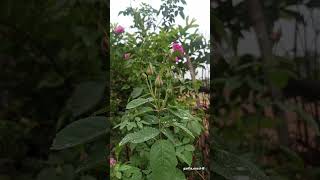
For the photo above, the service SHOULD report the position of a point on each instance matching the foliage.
(158, 131)
(244, 91)
(53, 72)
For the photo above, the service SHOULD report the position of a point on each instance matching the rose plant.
(158, 132)
(147, 84)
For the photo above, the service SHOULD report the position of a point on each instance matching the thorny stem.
(159, 123)
(166, 97)
(155, 94)
(157, 105)
(150, 88)
(165, 100)
(158, 108)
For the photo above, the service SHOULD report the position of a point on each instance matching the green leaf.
(179, 149)
(185, 140)
(131, 125)
(80, 132)
(137, 102)
(185, 156)
(182, 114)
(181, 126)
(143, 110)
(133, 172)
(143, 135)
(125, 87)
(189, 147)
(124, 167)
(118, 175)
(195, 127)
(229, 166)
(96, 157)
(168, 134)
(181, 14)
(150, 119)
(85, 97)
(121, 125)
(136, 92)
(118, 150)
(278, 77)
(179, 175)
(140, 125)
(194, 26)
(163, 160)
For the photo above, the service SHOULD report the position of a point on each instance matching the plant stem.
(150, 88)
(159, 124)
(200, 175)
(165, 100)
(157, 105)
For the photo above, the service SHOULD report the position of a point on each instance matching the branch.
(191, 69)
(260, 27)
(193, 75)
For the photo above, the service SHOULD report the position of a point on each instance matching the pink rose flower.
(127, 56)
(112, 162)
(178, 47)
(119, 29)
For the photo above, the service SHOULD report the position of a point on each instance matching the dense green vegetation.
(265, 107)
(55, 116)
(52, 74)
(156, 128)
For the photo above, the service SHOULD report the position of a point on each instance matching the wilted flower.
(127, 56)
(112, 162)
(177, 47)
(119, 29)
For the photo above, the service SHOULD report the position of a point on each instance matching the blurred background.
(52, 73)
(266, 88)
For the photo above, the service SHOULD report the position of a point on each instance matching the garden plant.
(155, 125)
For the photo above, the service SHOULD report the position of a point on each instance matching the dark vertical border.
(211, 107)
(107, 43)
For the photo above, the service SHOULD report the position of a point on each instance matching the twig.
(200, 175)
